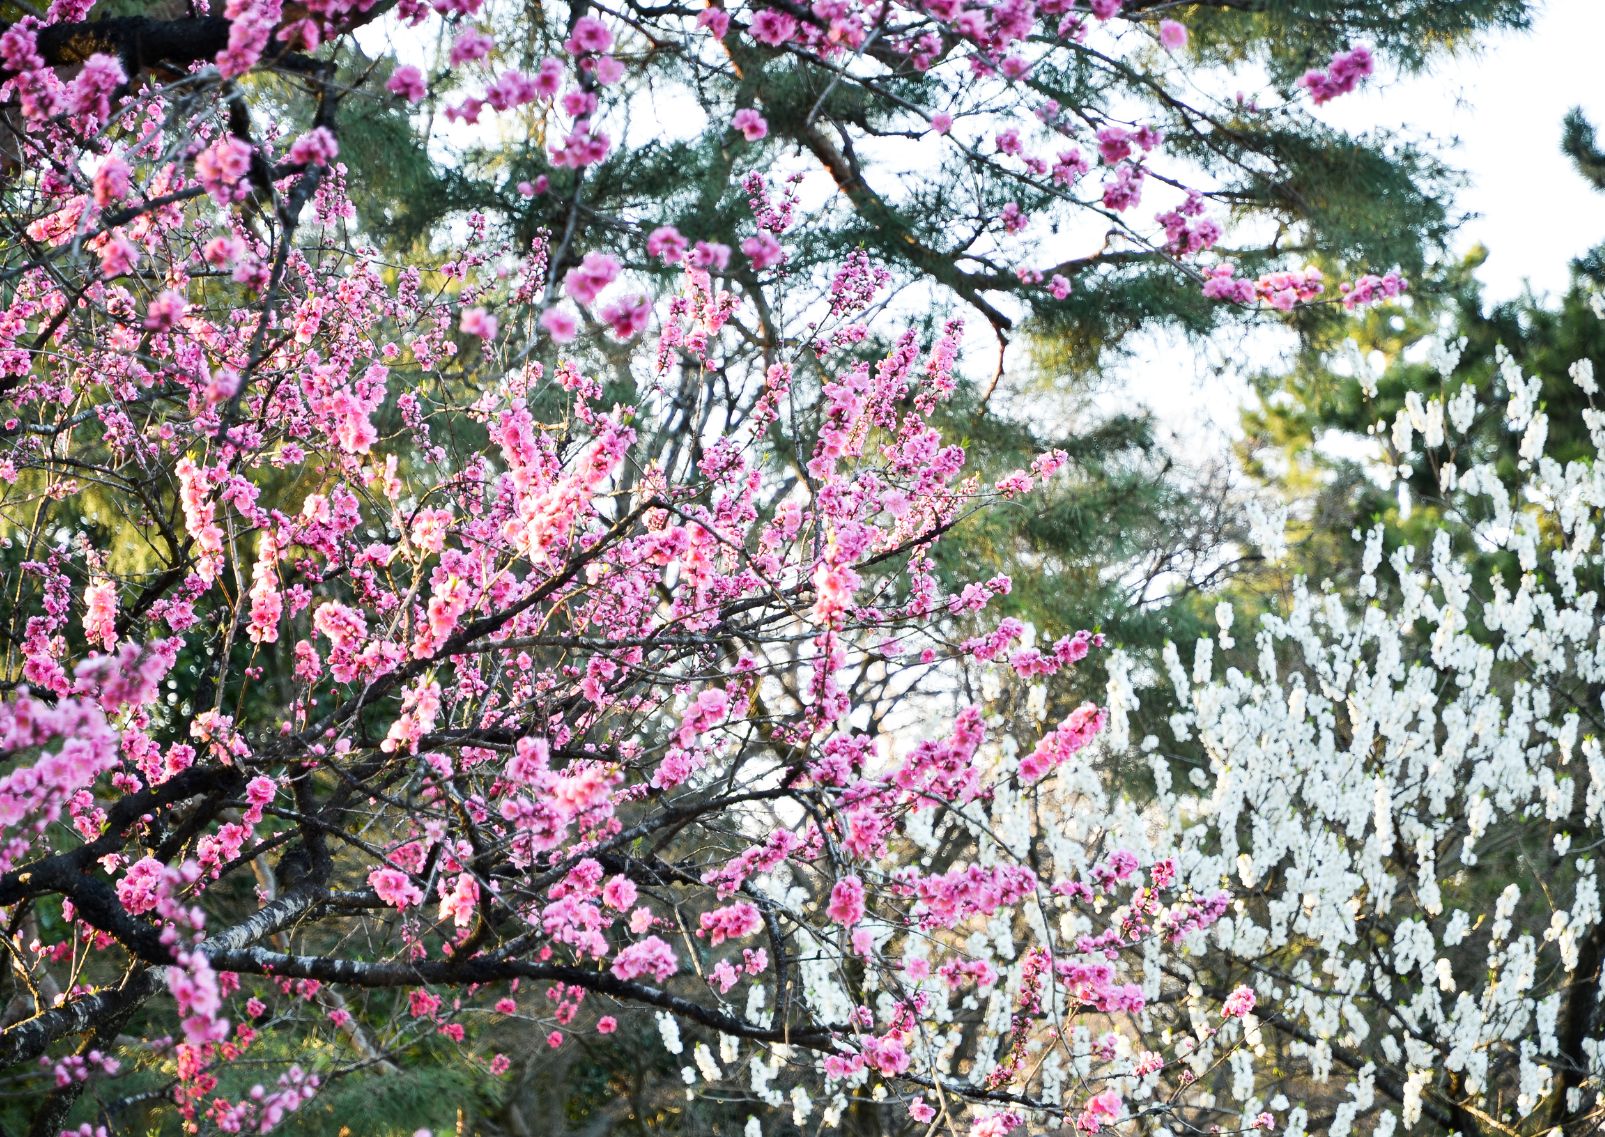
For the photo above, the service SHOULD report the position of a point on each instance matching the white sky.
(1496, 115)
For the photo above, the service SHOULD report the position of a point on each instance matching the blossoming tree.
(495, 714)
(1401, 783)
(395, 650)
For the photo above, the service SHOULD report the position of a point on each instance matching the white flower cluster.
(1406, 792)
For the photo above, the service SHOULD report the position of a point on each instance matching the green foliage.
(1577, 142)
(1290, 36)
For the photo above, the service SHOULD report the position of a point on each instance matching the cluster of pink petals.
(1056, 748)
(1372, 289)
(1286, 290)
(395, 888)
(730, 922)
(1282, 290)
(650, 956)
(1340, 76)
(750, 124)
(1239, 1003)
(947, 899)
(846, 905)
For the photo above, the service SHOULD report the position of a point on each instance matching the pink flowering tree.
(400, 648)
(396, 723)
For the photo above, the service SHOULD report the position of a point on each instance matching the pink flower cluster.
(1070, 736)
(1187, 231)
(1340, 76)
(947, 899)
(650, 956)
(1371, 289)
(846, 905)
(729, 923)
(1283, 290)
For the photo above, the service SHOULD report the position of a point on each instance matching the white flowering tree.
(1403, 790)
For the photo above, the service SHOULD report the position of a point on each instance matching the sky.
(1495, 115)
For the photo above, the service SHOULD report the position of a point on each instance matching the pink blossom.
(1342, 75)
(260, 790)
(589, 35)
(100, 613)
(395, 888)
(166, 311)
(578, 102)
(1067, 738)
(834, 586)
(1102, 1109)
(478, 322)
(650, 956)
(221, 168)
(846, 905)
(560, 324)
(750, 123)
(710, 255)
(723, 976)
(1172, 35)
(627, 317)
(595, 272)
(773, 27)
(1370, 289)
(118, 256)
(19, 49)
(997, 1124)
(763, 251)
(471, 44)
(706, 712)
(111, 181)
(142, 885)
(1239, 1003)
(317, 147)
(619, 893)
(90, 92)
(666, 244)
(1114, 143)
(408, 82)
(730, 922)
(460, 902)
(549, 77)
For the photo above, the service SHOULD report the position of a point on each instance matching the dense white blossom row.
(1405, 790)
